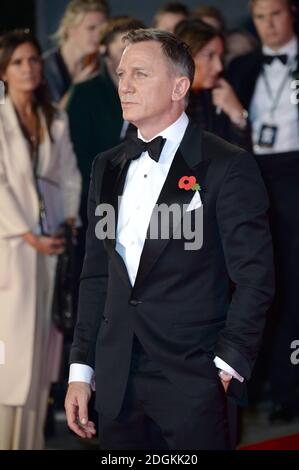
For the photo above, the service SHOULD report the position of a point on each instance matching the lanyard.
(41, 203)
(275, 99)
(34, 151)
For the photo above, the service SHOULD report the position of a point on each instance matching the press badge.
(267, 136)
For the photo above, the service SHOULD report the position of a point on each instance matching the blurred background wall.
(17, 14)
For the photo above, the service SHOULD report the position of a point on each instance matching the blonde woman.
(75, 59)
(39, 189)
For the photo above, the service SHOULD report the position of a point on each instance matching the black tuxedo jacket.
(181, 306)
(244, 72)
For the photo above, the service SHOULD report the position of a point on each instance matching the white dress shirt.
(144, 182)
(285, 116)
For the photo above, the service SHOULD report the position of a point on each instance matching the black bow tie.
(268, 59)
(136, 146)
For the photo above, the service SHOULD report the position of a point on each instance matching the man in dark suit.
(265, 82)
(157, 321)
(254, 77)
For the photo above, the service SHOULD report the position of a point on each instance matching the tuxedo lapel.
(243, 75)
(188, 161)
(254, 70)
(112, 187)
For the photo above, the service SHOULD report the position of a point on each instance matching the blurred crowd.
(61, 109)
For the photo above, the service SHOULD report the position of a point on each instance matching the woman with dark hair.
(213, 104)
(39, 190)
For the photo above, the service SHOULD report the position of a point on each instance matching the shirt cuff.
(82, 373)
(220, 364)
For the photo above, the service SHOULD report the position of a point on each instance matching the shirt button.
(132, 243)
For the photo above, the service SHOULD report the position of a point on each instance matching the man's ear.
(181, 88)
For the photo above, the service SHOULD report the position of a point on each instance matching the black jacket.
(243, 74)
(180, 307)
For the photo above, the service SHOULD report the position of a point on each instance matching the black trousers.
(280, 173)
(156, 415)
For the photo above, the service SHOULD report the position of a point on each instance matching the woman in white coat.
(39, 189)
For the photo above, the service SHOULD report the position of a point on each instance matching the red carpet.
(281, 443)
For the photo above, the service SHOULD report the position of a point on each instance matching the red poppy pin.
(189, 182)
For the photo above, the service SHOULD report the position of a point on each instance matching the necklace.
(32, 138)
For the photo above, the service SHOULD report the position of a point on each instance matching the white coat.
(18, 260)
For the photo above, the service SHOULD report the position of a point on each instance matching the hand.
(76, 407)
(49, 245)
(225, 384)
(225, 378)
(225, 98)
(45, 245)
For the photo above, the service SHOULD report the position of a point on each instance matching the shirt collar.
(174, 132)
(291, 48)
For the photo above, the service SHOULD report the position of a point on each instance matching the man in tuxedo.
(159, 327)
(265, 82)
(263, 78)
